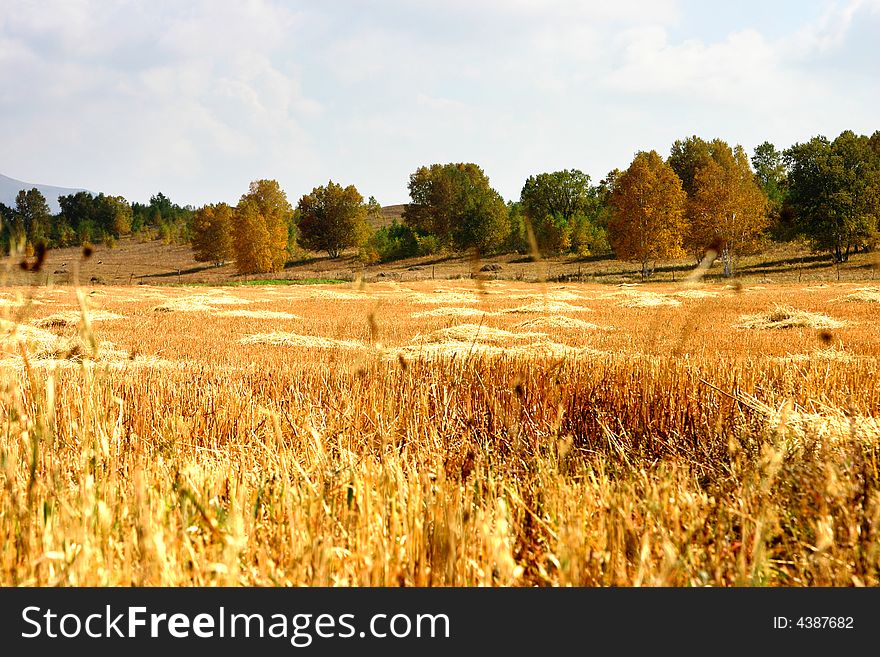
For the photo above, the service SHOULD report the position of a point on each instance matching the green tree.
(552, 201)
(8, 223)
(212, 233)
(727, 206)
(834, 189)
(648, 205)
(770, 172)
(456, 204)
(393, 242)
(686, 156)
(332, 218)
(260, 233)
(77, 213)
(113, 215)
(33, 215)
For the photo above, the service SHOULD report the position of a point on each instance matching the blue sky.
(196, 99)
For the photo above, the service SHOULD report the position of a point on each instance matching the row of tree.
(705, 194)
(86, 218)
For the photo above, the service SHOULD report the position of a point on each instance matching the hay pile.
(70, 318)
(20, 302)
(784, 317)
(648, 300)
(546, 307)
(696, 294)
(564, 295)
(257, 314)
(443, 297)
(863, 295)
(280, 339)
(826, 355)
(200, 303)
(556, 321)
(448, 349)
(460, 349)
(450, 312)
(475, 333)
(336, 295)
(797, 427)
(35, 341)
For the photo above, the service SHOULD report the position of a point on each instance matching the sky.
(198, 98)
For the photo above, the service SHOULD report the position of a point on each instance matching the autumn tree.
(456, 203)
(559, 207)
(727, 207)
(834, 189)
(332, 218)
(260, 231)
(647, 219)
(212, 233)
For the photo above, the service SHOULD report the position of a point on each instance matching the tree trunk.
(728, 262)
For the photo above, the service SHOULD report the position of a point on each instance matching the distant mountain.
(9, 188)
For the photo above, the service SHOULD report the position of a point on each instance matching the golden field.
(439, 433)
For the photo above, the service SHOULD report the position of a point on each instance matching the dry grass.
(786, 317)
(183, 448)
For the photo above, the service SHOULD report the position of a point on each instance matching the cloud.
(197, 99)
(207, 98)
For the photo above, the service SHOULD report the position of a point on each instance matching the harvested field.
(352, 436)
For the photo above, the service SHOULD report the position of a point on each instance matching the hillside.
(389, 214)
(9, 188)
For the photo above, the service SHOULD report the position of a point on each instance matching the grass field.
(446, 432)
(136, 261)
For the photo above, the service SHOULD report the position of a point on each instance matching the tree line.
(705, 196)
(86, 218)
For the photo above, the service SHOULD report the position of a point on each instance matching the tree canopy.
(560, 207)
(32, 217)
(333, 218)
(212, 233)
(727, 207)
(648, 205)
(455, 203)
(834, 189)
(261, 228)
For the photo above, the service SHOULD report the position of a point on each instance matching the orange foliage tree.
(727, 208)
(261, 229)
(647, 219)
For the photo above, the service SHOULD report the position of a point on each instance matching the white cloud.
(199, 98)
